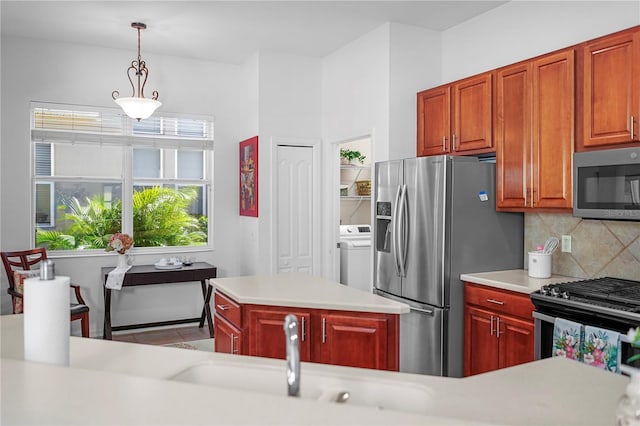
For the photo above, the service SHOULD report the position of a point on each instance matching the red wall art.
(249, 177)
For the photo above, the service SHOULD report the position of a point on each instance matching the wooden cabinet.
(434, 121)
(355, 339)
(480, 343)
(611, 91)
(227, 325)
(456, 118)
(534, 133)
(266, 333)
(228, 337)
(499, 329)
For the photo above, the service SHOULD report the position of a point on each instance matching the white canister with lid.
(539, 264)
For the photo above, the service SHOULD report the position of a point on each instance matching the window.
(97, 172)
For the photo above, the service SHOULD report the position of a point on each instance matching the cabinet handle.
(324, 330)
(498, 327)
(494, 301)
(491, 329)
(222, 307)
(455, 142)
(303, 330)
(444, 143)
(233, 344)
(631, 123)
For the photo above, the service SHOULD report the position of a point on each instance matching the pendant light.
(137, 106)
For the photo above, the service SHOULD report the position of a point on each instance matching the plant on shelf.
(348, 156)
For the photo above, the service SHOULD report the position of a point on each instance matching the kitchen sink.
(381, 394)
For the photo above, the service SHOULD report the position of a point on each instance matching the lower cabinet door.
(228, 338)
(266, 333)
(353, 341)
(516, 341)
(481, 349)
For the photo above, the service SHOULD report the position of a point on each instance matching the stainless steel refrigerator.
(436, 219)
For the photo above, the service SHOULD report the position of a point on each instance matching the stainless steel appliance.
(436, 219)
(355, 256)
(606, 184)
(610, 303)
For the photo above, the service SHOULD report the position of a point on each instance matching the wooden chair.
(23, 261)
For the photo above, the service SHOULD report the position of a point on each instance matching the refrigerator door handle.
(402, 234)
(422, 311)
(394, 225)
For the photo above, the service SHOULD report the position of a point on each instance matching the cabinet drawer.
(502, 301)
(228, 308)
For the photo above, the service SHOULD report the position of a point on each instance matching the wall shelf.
(355, 197)
(349, 174)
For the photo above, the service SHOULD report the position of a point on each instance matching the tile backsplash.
(599, 248)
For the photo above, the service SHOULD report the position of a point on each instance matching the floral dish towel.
(602, 348)
(567, 338)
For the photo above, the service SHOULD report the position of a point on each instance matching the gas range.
(607, 297)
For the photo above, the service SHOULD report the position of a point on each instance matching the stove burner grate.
(614, 293)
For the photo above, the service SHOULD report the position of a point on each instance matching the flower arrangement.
(634, 337)
(120, 243)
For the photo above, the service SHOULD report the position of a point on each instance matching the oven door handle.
(543, 317)
(547, 318)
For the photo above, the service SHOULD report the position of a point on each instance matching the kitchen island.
(339, 325)
(119, 383)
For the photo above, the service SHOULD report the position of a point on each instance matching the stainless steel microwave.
(606, 184)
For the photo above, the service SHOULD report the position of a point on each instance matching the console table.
(148, 275)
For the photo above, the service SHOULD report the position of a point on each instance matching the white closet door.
(295, 209)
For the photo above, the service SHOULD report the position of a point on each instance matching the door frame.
(273, 202)
(334, 201)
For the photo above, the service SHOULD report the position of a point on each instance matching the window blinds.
(55, 123)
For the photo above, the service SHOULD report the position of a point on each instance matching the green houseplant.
(348, 156)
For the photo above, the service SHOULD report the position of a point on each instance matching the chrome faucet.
(293, 354)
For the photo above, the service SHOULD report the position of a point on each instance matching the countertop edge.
(337, 299)
(516, 280)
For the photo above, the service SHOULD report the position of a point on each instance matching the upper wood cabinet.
(534, 135)
(456, 118)
(434, 121)
(611, 91)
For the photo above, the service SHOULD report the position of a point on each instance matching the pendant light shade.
(137, 106)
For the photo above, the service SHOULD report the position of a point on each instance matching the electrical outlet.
(566, 244)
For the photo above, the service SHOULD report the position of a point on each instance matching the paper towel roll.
(47, 324)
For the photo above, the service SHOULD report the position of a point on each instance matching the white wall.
(520, 30)
(414, 65)
(289, 109)
(39, 70)
(355, 102)
(247, 232)
(369, 88)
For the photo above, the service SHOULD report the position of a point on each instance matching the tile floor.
(164, 336)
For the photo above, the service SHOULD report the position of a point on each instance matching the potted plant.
(347, 156)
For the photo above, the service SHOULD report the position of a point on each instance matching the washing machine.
(356, 268)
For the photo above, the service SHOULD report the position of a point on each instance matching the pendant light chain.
(137, 106)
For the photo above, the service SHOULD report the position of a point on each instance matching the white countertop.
(119, 383)
(514, 280)
(304, 291)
